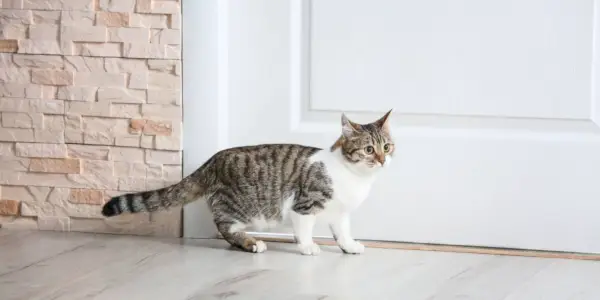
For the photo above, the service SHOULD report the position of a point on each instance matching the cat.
(263, 185)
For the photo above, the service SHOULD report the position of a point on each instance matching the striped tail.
(149, 201)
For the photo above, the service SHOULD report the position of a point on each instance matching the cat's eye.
(386, 147)
(369, 149)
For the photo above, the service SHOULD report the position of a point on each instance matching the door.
(496, 108)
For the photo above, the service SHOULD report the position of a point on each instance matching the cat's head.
(366, 145)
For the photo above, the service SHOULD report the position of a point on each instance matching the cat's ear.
(383, 123)
(348, 127)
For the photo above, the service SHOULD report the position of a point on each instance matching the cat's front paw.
(309, 249)
(352, 247)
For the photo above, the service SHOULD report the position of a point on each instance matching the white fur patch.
(260, 247)
(351, 182)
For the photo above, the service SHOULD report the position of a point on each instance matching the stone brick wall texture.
(90, 107)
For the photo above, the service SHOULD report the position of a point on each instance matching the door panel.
(495, 108)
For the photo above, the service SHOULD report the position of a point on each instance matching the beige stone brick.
(147, 141)
(143, 6)
(156, 183)
(52, 77)
(132, 184)
(100, 79)
(68, 48)
(161, 111)
(73, 136)
(138, 80)
(60, 180)
(175, 20)
(10, 46)
(166, 36)
(35, 91)
(32, 105)
(126, 154)
(130, 224)
(84, 64)
(73, 122)
(45, 17)
(143, 50)
(84, 33)
(7, 149)
(98, 138)
(48, 136)
(88, 152)
(108, 125)
(99, 109)
(38, 61)
(172, 52)
(121, 95)
(15, 75)
(151, 127)
(58, 205)
(125, 111)
(172, 142)
(6, 60)
(14, 4)
(39, 47)
(165, 7)
(117, 5)
(136, 125)
(44, 32)
(165, 97)
(172, 173)
(15, 16)
(98, 49)
(77, 93)
(127, 141)
(16, 135)
(41, 150)
(13, 31)
(14, 90)
(163, 81)
(85, 5)
(112, 19)
(163, 157)
(55, 165)
(99, 167)
(22, 120)
(20, 223)
(9, 207)
(55, 123)
(148, 21)
(129, 169)
(19, 164)
(87, 196)
(162, 65)
(129, 35)
(26, 193)
(124, 65)
(51, 223)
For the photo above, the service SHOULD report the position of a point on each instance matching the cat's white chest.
(349, 189)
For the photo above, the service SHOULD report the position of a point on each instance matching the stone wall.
(90, 107)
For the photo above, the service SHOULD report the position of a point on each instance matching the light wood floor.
(52, 265)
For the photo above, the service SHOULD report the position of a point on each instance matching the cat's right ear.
(348, 128)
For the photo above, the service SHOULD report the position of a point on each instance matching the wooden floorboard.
(50, 265)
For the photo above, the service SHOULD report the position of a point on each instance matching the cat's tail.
(187, 190)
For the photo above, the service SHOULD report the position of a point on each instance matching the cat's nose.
(380, 159)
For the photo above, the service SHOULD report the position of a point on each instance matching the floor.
(53, 265)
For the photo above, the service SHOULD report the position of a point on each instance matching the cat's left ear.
(383, 123)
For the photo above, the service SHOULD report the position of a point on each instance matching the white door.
(496, 108)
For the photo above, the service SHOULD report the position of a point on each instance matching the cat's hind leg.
(232, 222)
(233, 233)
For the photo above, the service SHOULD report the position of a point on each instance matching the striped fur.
(262, 185)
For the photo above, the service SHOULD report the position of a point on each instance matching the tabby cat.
(263, 185)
